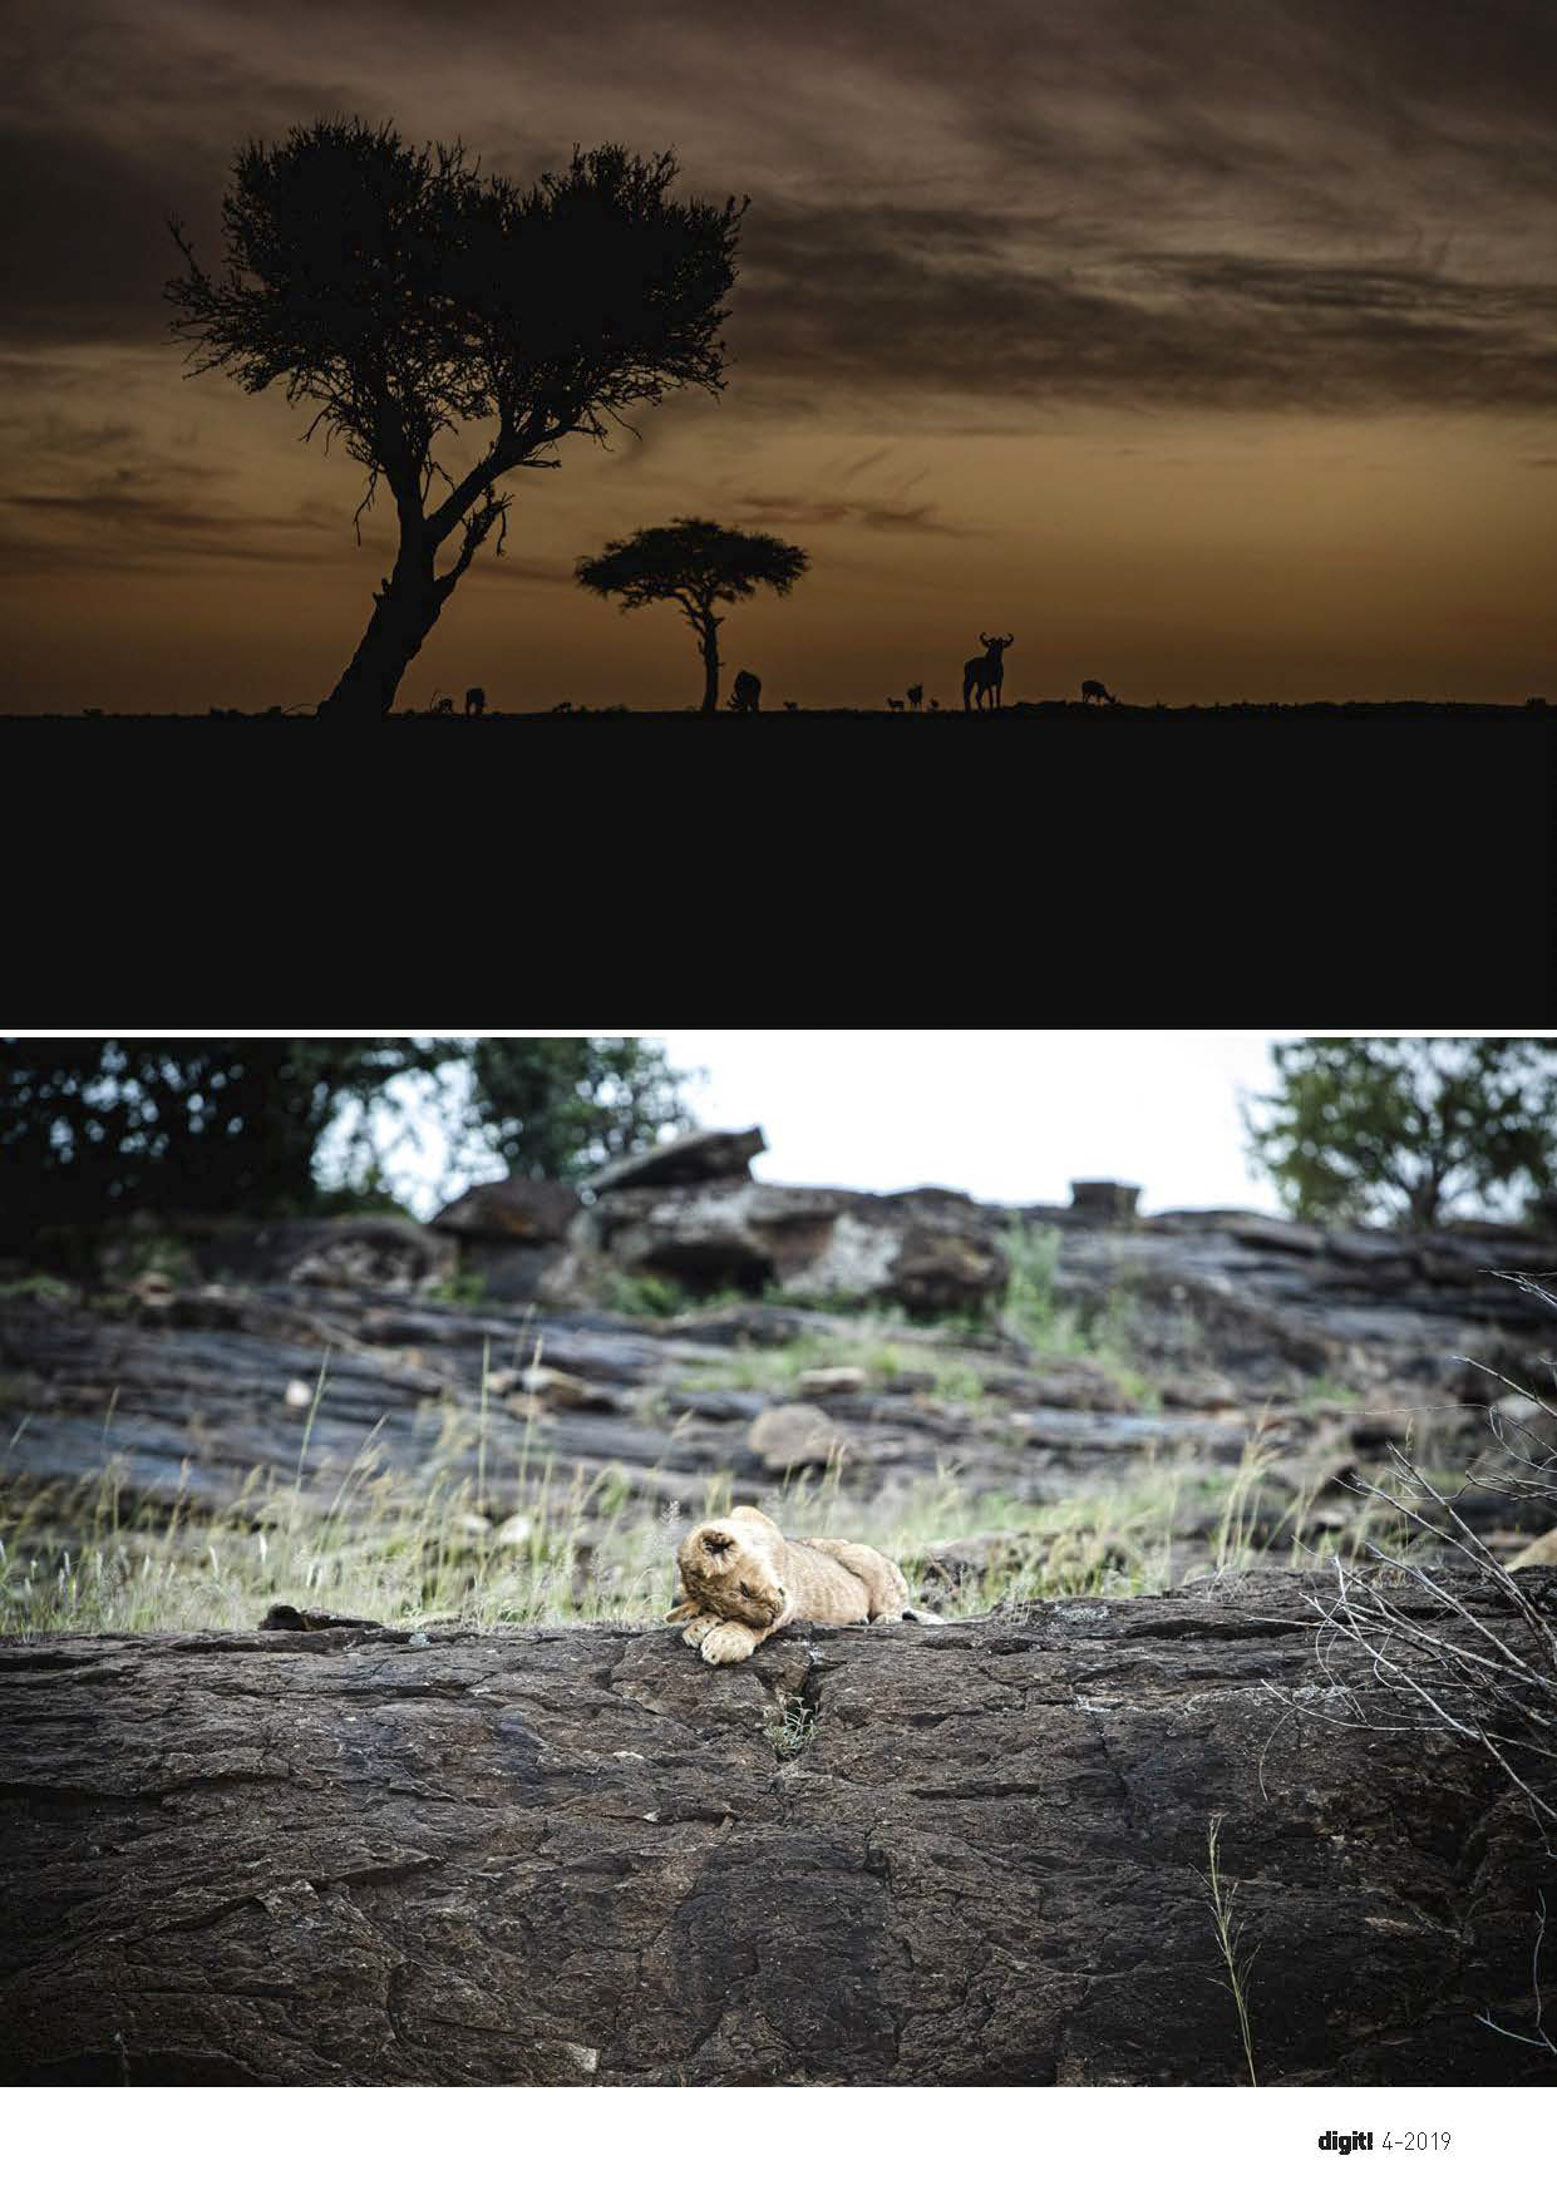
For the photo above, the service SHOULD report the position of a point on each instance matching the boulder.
(528, 1209)
(968, 1855)
(795, 1436)
(1101, 1200)
(1542, 1552)
(832, 1382)
(701, 1157)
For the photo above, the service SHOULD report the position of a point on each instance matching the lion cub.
(741, 1579)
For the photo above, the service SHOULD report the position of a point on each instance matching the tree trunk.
(970, 1855)
(405, 611)
(709, 640)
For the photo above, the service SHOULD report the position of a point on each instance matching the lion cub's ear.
(750, 1512)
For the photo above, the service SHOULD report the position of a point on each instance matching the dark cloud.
(899, 301)
(1229, 203)
(800, 511)
(109, 525)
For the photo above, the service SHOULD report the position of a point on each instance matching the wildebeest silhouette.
(985, 675)
(916, 696)
(441, 706)
(475, 702)
(895, 702)
(746, 693)
(1093, 691)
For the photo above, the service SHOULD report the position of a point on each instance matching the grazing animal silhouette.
(746, 694)
(935, 702)
(475, 702)
(916, 696)
(557, 709)
(985, 675)
(894, 702)
(791, 706)
(1093, 691)
(442, 706)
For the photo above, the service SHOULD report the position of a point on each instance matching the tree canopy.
(1406, 1129)
(563, 1107)
(93, 1128)
(694, 564)
(404, 295)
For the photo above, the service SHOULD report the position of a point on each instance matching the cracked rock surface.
(962, 1855)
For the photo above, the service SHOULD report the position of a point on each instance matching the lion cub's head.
(732, 1567)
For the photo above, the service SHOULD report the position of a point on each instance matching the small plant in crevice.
(794, 1730)
(1229, 1936)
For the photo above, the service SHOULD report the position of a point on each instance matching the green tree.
(695, 564)
(1402, 1130)
(563, 1107)
(403, 295)
(94, 1127)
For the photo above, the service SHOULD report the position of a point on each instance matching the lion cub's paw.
(704, 1624)
(727, 1643)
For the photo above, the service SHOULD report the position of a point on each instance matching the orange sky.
(1213, 364)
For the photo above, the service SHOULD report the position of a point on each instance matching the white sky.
(1010, 1116)
(1006, 1115)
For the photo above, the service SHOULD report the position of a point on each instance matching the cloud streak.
(1235, 203)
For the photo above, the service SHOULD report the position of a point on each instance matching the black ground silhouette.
(1314, 723)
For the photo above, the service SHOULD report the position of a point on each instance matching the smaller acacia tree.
(697, 564)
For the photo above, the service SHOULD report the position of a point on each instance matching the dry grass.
(1223, 1895)
(568, 1544)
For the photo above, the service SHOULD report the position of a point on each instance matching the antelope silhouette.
(894, 702)
(986, 675)
(475, 702)
(916, 696)
(1093, 691)
(746, 693)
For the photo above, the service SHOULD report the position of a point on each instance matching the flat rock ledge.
(970, 1855)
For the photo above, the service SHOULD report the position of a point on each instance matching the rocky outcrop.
(931, 1251)
(967, 1855)
(1259, 1297)
(207, 1395)
(346, 1253)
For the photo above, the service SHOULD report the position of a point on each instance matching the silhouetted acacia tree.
(694, 563)
(1399, 1129)
(403, 294)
